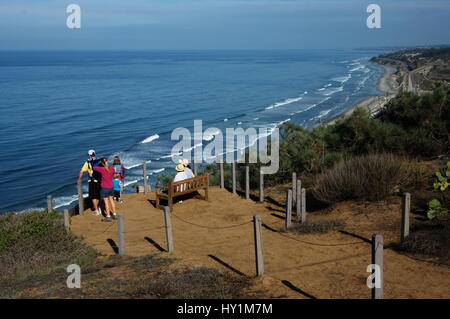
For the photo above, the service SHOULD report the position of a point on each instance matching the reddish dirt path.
(293, 268)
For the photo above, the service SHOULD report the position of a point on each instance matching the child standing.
(118, 186)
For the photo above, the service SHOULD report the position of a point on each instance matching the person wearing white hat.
(187, 168)
(181, 175)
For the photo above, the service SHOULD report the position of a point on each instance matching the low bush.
(37, 242)
(433, 241)
(370, 177)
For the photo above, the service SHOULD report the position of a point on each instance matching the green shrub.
(439, 208)
(37, 242)
(368, 177)
(425, 119)
(431, 241)
(165, 179)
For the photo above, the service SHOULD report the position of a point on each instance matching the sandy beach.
(385, 84)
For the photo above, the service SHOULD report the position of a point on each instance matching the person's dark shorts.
(117, 194)
(106, 192)
(94, 190)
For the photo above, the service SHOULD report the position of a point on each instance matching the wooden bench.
(180, 188)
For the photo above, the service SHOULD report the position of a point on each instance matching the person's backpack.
(96, 176)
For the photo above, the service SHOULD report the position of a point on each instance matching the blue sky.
(221, 24)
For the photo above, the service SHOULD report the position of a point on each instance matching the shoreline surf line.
(372, 102)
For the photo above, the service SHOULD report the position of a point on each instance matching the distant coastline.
(374, 103)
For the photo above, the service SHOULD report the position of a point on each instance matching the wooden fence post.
(288, 219)
(233, 176)
(168, 226)
(247, 182)
(80, 198)
(66, 220)
(261, 186)
(294, 189)
(145, 175)
(298, 195)
(406, 208)
(49, 203)
(377, 259)
(121, 239)
(259, 256)
(222, 178)
(303, 205)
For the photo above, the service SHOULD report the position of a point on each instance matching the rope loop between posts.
(212, 227)
(144, 229)
(319, 244)
(107, 228)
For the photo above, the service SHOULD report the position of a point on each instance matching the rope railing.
(319, 244)
(211, 227)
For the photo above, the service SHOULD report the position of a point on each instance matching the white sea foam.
(333, 91)
(342, 79)
(131, 182)
(150, 139)
(66, 200)
(191, 148)
(359, 67)
(363, 81)
(313, 105)
(132, 165)
(282, 122)
(285, 102)
(210, 136)
(156, 171)
(170, 156)
(323, 113)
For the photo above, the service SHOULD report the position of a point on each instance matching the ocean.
(56, 105)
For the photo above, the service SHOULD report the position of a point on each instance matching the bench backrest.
(190, 185)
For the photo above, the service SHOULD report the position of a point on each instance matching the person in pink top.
(107, 190)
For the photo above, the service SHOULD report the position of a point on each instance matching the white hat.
(184, 161)
(180, 168)
(91, 152)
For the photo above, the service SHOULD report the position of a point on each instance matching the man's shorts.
(106, 192)
(94, 190)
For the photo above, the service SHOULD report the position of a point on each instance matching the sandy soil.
(301, 266)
